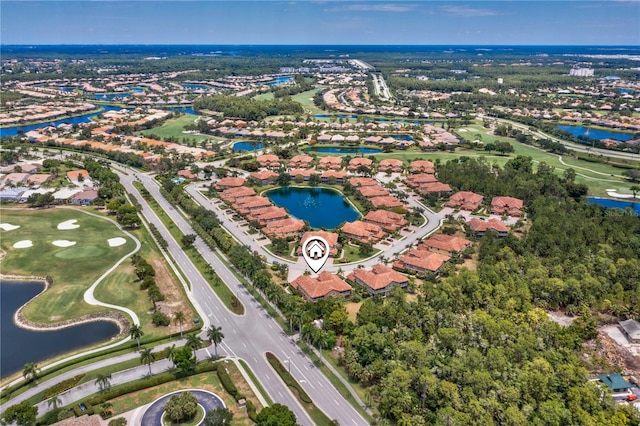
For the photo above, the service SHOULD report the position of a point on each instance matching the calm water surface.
(616, 204)
(321, 207)
(247, 146)
(344, 150)
(596, 134)
(19, 346)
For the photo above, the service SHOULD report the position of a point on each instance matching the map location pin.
(315, 251)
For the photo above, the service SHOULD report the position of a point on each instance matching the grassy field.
(175, 128)
(64, 299)
(306, 100)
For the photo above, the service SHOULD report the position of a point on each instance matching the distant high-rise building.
(581, 72)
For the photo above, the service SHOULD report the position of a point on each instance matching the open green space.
(306, 100)
(64, 299)
(174, 128)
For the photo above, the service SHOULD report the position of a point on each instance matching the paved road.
(153, 415)
(251, 335)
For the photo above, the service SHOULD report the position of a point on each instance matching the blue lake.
(320, 207)
(86, 118)
(136, 89)
(615, 204)
(66, 89)
(196, 87)
(343, 150)
(19, 346)
(247, 146)
(182, 109)
(402, 137)
(111, 96)
(595, 133)
(280, 80)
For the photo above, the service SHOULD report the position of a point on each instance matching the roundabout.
(153, 415)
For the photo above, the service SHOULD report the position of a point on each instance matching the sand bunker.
(115, 242)
(63, 243)
(23, 244)
(8, 226)
(68, 224)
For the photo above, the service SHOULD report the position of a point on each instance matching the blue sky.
(516, 22)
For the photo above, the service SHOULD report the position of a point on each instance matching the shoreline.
(21, 321)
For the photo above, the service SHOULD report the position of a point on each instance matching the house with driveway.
(381, 279)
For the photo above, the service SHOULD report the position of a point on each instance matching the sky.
(387, 22)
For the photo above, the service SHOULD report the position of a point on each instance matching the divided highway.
(251, 335)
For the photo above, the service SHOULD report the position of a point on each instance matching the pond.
(182, 109)
(343, 150)
(280, 80)
(320, 207)
(111, 96)
(616, 204)
(596, 133)
(247, 146)
(85, 118)
(19, 346)
(196, 86)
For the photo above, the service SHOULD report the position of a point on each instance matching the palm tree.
(179, 318)
(146, 357)
(170, 351)
(216, 336)
(54, 402)
(30, 371)
(136, 333)
(104, 382)
(106, 409)
(195, 343)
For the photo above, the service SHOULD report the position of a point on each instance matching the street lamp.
(289, 363)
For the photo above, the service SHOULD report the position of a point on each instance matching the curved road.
(153, 414)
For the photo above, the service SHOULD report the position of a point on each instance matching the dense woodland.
(247, 108)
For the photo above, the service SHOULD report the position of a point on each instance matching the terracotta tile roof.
(391, 163)
(479, 225)
(448, 243)
(330, 237)
(301, 172)
(419, 179)
(380, 277)
(186, 174)
(263, 175)
(75, 174)
(230, 182)
(331, 173)
(389, 221)
(433, 187)
(233, 194)
(284, 227)
(423, 166)
(465, 200)
(325, 284)
(357, 162)
(300, 161)
(511, 206)
(386, 201)
(422, 260)
(373, 191)
(360, 181)
(330, 163)
(363, 231)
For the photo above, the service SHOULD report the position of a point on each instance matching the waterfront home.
(357, 181)
(269, 161)
(284, 228)
(264, 177)
(330, 176)
(330, 237)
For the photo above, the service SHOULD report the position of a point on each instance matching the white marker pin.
(315, 251)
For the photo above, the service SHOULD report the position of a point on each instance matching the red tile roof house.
(390, 165)
(74, 175)
(325, 285)
(434, 187)
(300, 162)
(421, 261)
(232, 195)
(388, 201)
(229, 182)
(445, 244)
(509, 205)
(248, 204)
(373, 140)
(389, 221)
(330, 163)
(330, 237)
(420, 179)
(269, 161)
(465, 200)
(479, 227)
(372, 191)
(324, 139)
(358, 162)
(356, 182)
(301, 175)
(363, 231)
(380, 280)
(422, 166)
(186, 174)
(85, 198)
(39, 179)
(284, 228)
(330, 176)
(264, 177)
(267, 214)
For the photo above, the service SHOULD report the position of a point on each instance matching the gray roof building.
(631, 329)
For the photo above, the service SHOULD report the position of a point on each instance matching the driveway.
(153, 415)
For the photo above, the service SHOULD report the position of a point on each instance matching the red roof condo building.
(325, 285)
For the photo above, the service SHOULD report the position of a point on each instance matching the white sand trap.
(63, 243)
(68, 224)
(8, 226)
(115, 242)
(23, 244)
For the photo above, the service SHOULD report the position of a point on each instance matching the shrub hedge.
(287, 377)
(64, 385)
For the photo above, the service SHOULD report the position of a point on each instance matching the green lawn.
(306, 100)
(73, 269)
(352, 254)
(175, 127)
